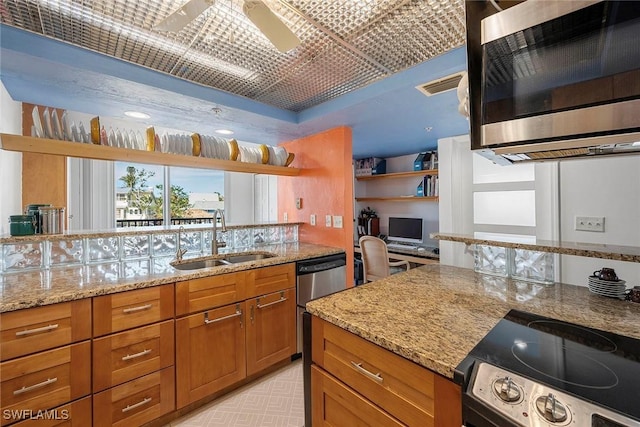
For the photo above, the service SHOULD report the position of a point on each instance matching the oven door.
(560, 70)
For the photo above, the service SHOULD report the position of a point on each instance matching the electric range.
(531, 370)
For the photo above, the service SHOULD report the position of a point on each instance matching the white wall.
(10, 162)
(456, 198)
(607, 187)
(427, 210)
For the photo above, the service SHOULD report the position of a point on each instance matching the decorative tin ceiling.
(346, 44)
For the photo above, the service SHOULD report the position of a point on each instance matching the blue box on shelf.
(417, 163)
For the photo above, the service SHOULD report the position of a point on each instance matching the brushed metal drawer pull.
(220, 319)
(136, 355)
(135, 309)
(282, 299)
(37, 330)
(137, 405)
(375, 377)
(35, 386)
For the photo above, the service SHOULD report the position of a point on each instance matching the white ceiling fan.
(256, 10)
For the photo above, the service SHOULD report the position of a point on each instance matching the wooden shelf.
(397, 199)
(398, 175)
(101, 152)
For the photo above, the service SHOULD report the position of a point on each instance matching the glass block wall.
(135, 250)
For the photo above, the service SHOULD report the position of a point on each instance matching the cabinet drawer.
(400, 387)
(135, 402)
(334, 404)
(74, 414)
(41, 328)
(126, 310)
(266, 280)
(209, 292)
(47, 379)
(121, 357)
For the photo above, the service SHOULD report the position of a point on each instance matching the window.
(193, 195)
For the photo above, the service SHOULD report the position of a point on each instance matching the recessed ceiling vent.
(440, 85)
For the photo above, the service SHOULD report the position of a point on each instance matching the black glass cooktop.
(594, 365)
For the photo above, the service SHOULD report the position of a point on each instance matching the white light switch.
(327, 221)
(313, 219)
(590, 223)
(337, 221)
(286, 217)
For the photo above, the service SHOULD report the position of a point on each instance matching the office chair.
(375, 259)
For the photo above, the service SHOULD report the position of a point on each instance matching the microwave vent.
(440, 85)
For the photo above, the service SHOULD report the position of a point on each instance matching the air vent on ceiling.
(440, 85)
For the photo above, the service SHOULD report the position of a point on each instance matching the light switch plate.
(327, 221)
(286, 217)
(590, 223)
(313, 219)
(337, 221)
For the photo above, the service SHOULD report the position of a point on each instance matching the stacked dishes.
(607, 288)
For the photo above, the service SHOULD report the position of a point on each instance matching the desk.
(414, 256)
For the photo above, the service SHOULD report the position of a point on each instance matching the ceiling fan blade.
(270, 25)
(183, 16)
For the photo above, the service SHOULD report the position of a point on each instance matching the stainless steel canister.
(52, 219)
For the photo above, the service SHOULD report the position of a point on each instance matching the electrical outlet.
(590, 223)
(286, 217)
(327, 221)
(313, 219)
(337, 221)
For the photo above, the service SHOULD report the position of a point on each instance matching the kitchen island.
(434, 315)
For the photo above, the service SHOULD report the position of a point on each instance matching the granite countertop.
(592, 250)
(435, 314)
(49, 286)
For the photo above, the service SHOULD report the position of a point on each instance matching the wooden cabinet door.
(334, 404)
(262, 281)
(271, 329)
(210, 352)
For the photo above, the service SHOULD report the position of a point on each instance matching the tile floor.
(274, 400)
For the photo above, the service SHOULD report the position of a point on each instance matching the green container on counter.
(21, 225)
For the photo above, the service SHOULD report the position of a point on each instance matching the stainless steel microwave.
(556, 78)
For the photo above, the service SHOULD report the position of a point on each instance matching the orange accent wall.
(325, 185)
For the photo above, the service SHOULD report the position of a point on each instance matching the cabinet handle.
(137, 405)
(135, 309)
(136, 355)
(220, 319)
(282, 299)
(35, 386)
(37, 330)
(375, 377)
(252, 314)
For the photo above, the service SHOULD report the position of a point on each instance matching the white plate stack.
(607, 288)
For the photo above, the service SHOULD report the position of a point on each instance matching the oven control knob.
(506, 389)
(551, 409)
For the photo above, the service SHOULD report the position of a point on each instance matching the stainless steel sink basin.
(217, 262)
(248, 257)
(203, 263)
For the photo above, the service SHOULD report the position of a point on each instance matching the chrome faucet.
(180, 252)
(214, 237)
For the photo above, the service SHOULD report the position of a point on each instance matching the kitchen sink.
(217, 262)
(202, 263)
(248, 257)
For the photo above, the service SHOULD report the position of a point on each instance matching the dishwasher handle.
(317, 265)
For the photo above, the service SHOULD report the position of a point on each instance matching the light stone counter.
(434, 315)
(49, 286)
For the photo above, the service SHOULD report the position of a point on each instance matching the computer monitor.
(405, 229)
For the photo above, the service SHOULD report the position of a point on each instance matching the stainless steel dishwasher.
(316, 278)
